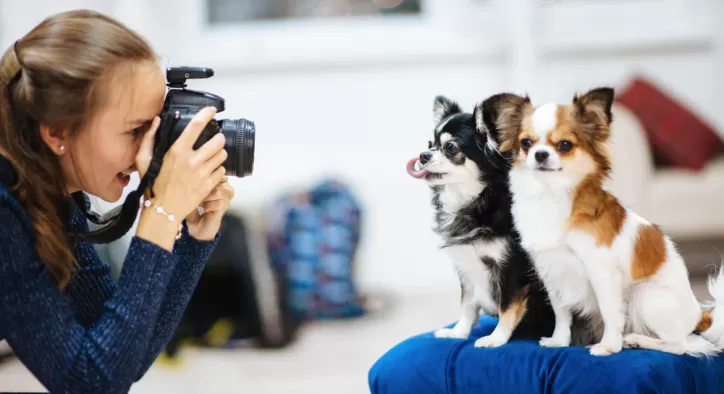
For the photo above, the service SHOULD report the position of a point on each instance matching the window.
(571, 25)
(235, 11)
(290, 34)
(282, 34)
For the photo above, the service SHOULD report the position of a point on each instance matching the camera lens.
(240, 135)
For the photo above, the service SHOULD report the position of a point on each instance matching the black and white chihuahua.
(468, 177)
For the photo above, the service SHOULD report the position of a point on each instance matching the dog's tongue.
(411, 168)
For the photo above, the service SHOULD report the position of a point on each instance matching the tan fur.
(589, 112)
(649, 252)
(591, 124)
(512, 316)
(564, 131)
(508, 112)
(705, 321)
(510, 121)
(594, 210)
(524, 131)
(527, 132)
(597, 212)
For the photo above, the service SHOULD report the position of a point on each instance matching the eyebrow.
(139, 122)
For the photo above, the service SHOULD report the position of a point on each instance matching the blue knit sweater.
(99, 335)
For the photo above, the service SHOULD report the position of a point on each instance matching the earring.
(62, 149)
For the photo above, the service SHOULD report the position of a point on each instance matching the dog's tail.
(708, 336)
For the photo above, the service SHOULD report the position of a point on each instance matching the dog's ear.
(442, 108)
(500, 116)
(593, 111)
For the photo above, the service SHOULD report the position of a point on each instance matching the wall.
(362, 122)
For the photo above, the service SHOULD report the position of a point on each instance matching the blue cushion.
(424, 364)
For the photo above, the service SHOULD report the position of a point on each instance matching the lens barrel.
(240, 137)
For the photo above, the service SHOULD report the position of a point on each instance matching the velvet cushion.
(424, 364)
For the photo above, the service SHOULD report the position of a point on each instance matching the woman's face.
(100, 158)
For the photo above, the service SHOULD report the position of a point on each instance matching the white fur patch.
(541, 213)
(439, 126)
(480, 124)
(468, 260)
(545, 119)
(456, 196)
(461, 182)
(492, 144)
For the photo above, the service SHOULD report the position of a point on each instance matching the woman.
(79, 96)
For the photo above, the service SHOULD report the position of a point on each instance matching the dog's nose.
(541, 156)
(425, 157)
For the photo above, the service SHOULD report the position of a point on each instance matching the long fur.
(468, 178)
(596, 257)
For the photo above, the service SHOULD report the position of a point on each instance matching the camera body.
(182, 104)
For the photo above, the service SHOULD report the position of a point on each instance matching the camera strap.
(118, 221)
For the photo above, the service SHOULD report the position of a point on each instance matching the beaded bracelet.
(171, 217)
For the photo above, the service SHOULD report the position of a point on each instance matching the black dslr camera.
(181, 106)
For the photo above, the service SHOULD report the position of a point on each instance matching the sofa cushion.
(687, 205)
(632, 164)
(678, 136)
(424, 364)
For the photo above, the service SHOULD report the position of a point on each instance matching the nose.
(425, 157)
(541, 156)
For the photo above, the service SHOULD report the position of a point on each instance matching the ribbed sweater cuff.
(189, 248)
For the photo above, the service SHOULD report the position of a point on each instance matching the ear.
(500, 116)
(593, 109)
(56, 139)
(443, 107)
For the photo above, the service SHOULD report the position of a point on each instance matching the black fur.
(487, 218)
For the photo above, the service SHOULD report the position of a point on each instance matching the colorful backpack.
(312, 240)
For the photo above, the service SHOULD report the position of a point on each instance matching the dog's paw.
(490, 341)
(605, 349)
(450, 333)
(631, 341)
(553, 342)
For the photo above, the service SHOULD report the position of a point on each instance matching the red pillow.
(677, 136)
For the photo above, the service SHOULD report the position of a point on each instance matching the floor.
(328, 357)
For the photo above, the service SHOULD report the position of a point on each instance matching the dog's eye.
(526, 143)
(564, 146)
(450, 148)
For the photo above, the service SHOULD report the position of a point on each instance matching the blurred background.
(329, 255)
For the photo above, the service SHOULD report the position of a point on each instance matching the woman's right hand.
(187, 176)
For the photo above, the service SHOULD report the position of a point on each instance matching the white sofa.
(688, 205)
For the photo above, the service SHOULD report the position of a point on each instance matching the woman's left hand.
(205, 227)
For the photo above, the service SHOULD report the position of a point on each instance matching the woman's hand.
(205, 227)
(187, 176)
